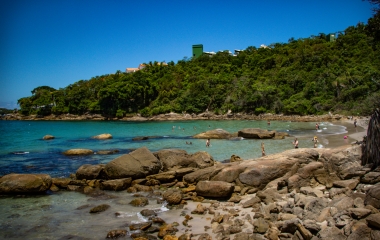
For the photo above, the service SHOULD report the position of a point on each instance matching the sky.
(57, 43)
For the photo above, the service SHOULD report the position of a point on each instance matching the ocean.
(55, 215)
(22, 149)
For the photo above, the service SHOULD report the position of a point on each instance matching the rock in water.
(116, 233)
(214, 134)
(48, 137)
(78, 151)
(24, 183)
(103, 136)
(99, 208)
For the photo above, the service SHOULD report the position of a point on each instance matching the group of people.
(314, 139)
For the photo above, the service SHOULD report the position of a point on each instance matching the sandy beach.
(356, 134)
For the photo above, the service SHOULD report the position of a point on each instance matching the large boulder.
(89, 171)
(175, 158)
(260, 172)
(229, 173)
(103, 136)
(78, 151)
(344, 161)
(24, 183)
(214, 134)
(256, 133)
(216, 189)
(137, 164)
(256, 173)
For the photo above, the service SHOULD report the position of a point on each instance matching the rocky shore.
(185, 116)
(298, 194)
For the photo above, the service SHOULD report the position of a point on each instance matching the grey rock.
(371, 178)
(216, 189)
(256, 133)
(359, 213)
(350, 183)
(331, 233)
(373, 220)
(251, 202)
(312, 226)
(360, 231)
(260, 225)
(116, 185)
(373, 197)
(344, 203)
(290, 226)
(173, 159)
(137, 164)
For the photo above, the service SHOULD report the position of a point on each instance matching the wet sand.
(354, 134)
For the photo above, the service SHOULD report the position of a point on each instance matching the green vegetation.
(5, 111)
(304, 76)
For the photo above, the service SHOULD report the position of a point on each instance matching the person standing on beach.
(295, 143)
(208, 142)
(355, 123)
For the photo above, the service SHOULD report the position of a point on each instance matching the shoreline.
(182, 117)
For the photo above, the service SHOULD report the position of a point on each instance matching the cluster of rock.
(252, 133)
(176, 116)
(297, 194)
(63, 117)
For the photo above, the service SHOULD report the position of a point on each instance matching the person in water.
(295, 143)
(262, 149)
(315, 140)
(208, 142)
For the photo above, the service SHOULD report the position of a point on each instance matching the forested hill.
(304, 76)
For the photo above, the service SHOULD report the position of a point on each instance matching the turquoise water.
(41, 156)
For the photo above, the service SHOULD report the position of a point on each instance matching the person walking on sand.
(355, 123)
(295, 143)
(208, 142)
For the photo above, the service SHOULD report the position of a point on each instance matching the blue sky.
(56, 43)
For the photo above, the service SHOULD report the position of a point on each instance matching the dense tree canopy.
(306, 76)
